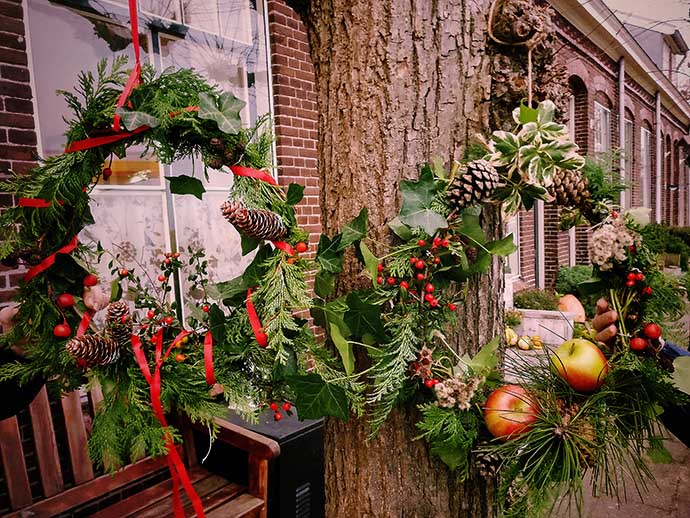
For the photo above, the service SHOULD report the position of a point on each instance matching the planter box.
(554, 327)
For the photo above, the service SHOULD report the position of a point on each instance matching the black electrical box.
(296, 487)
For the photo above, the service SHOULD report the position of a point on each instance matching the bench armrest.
(255, 444)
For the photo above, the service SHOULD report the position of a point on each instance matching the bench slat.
(76, 437)
(46, 445)
(245, 505)
(204, 487)
(13, 461)
(215, 499)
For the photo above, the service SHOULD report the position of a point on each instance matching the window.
(628, 154)
(223, 40)
(513, 227)
(646, 166)
(602, 128)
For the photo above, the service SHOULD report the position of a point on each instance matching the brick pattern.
(295, 111)
(527, 250)
(17, 132)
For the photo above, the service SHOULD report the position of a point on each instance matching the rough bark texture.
(398, 82)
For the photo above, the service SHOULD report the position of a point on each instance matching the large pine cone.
(118, 323)
(476, 182)
(570, 189)
(94, 349)
(256, 223)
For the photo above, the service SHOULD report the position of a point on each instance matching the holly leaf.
(328, 255)
(314, 398)
(324, 283)
(400, 229)
(417, 198)
(132, 120)
(184, 184)
(115, 290)
(502, 247)
(295, 193)
(363, 317)
(355, 230)
(371, 262)
(681, 373)
(343, 346)
(248, 244)
(225, 111)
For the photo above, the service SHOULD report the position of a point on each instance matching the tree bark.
(399, 82)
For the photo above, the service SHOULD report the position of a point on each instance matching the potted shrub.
(541, 317)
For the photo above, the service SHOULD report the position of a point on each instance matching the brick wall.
(17, 132)
(527, 250)
(295, 111)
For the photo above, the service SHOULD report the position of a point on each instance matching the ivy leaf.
(502, 247)
(216, 319)
(344, 347)
(400, 229)
(248, 244)
(417, 198)
(485, 360)
(371, 262)
(225, 112)
(133, 120)
(324, 283)
(355, 230)
(526, 114)
(363, 317)
(471, 227)
(314, 398)
(184, 184)
(230, 289)
(681, 373)
(115, 290)
(295, 193)
(328, 255)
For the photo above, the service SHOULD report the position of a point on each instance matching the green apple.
(510, 411)
(581, 364)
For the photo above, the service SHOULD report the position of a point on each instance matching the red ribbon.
(178, 471)
(89, 143)
(285, 247)
(36, 203)
(50, 260)
(85, 321)
(259, 333)
(135, 74)
(208, 358)
(253, 173)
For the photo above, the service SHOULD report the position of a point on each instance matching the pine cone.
(256, 223)
(486, 462)
(475, 183)
(217, 144)
(94, 349)
(118, 323)
(214, 162)
(570, 189)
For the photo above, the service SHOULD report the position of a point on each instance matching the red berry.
(205, 308)
(638, 344)
(452, 306)
(301, 247)
(162, 278)
(273, 406)
(379, 268)
(287, 406)
(150, 314)
(434, 303)
(647, 291)
(107, 173)
(429, 288)
(65, 300)
(630, 284)
(391, 281)
(168, 321)
(421, 242)
(404, 285)
(167, 260)
(419, 264)
(420, 276)
(632, 249)
(437, 241)
(652, 331)
(437, 260)
(413, 260)
(277, 416)
(180, 357)
(90, 280)
(428, 297)
(614, 214)
(632, 276)
(124, 272)
(639, 276)
(62, 331)
(429, 383)
(379, 279)
(445, 243)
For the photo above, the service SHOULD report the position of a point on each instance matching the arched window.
(602, 123)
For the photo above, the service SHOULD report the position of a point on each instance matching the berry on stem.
(639, 276)
(205, 308)
(391, 281)
(301, 247)
(379, 280)
(434, 303)
(404, 285)
(65, 300)
(162, 278)
(421, 242)
(630, 284)
(287, 406)
(647, 291)
(632, 276)
(419, 264)
(180, 357)
(107, 173)
(277, 416)
(437, 260)
(638, 344)
(124, 272)
(273, 406)
(168, 321)
(379, 268)
(413, 260)
(90, 280)
(452, 306)
(428, 297)
(429, 288)
(653, 331)
(151, 313)
(437, 241)
(62, 330)
(420, 276)
(445, 243)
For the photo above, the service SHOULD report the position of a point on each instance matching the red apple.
(581, 364)
(509, 412)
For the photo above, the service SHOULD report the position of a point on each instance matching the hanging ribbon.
(89, 143)
(240, 170)
(178, 472)
(50, 260)
(135, 74)
(36, 203)
(254, 321)
(85, 322)
(285, 247)
(208, 358)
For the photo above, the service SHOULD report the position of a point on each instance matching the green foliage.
(512, 318)
(569, 280)
(534, 298)
(417, 199)
(184, 184)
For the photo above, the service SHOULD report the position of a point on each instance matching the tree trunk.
(399, 82)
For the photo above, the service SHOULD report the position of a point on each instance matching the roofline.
(599, 23)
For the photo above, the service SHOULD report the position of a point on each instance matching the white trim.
(646, 167)
(572, 247)
(659, 158)
(621, 125)
(539, 259)
(603, 146)
(32, 79)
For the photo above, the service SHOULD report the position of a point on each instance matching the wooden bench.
(140, 490)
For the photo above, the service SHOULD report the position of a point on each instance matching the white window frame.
(646, 166)
(628, 156)
(602, 128)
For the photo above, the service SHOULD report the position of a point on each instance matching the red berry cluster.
(423, 268)
(651, 332)
(276, 409)
(636, 279)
